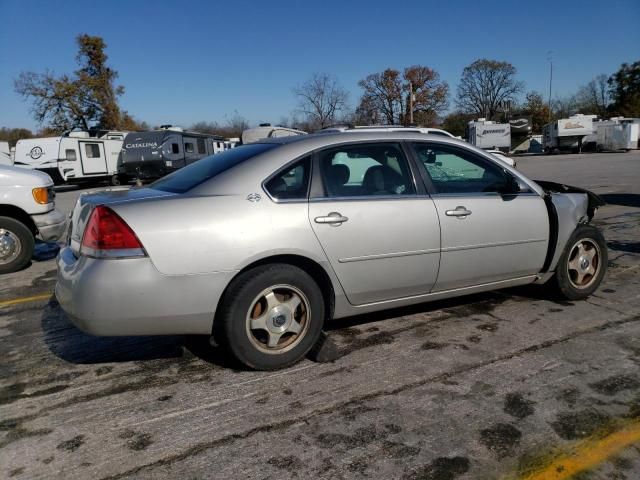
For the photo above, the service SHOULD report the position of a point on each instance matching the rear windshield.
(193, 175)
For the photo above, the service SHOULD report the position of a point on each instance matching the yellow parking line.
(587, 454)
(16, 301)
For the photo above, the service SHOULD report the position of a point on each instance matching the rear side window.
(201, 147)
(188, 147)
(292, 183)
(199, 172)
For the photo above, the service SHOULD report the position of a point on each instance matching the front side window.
(175, 148)
(366, 170)
(454, 170)
(292, 182)
(70, 155)
(92, 150)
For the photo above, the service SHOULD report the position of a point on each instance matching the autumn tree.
(321, 99)
(88, 96)
(594, 98)
(386, 96)
(624, 88)
(536, 108)
(485, 86)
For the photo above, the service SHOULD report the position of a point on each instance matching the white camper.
(73, 158)
(489, 135)
(567, 133)
(5, 154)
(617, 133)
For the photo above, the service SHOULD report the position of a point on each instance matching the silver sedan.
(260, 245)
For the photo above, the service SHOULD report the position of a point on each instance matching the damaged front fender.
(568, 207)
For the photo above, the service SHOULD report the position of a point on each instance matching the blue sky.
(183, 62)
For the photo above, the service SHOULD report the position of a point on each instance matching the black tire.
(566, 281)
(18, 234)
(115, 180)
(233, 319)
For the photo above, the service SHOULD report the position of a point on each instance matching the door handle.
(460, 212)
(334, 219)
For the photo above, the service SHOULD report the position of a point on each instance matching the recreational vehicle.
(266, 130)
(489, 135)
(617, 134)
(5, 154)
(567, 133)
(76, 157)
(151, 155)
(520, 134)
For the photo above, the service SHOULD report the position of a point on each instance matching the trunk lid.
(113, 196)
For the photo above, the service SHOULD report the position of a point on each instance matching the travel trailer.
(520, 134)
(151, 155)
(5, 154)
(617, 134)
(567, 133)
(76, 157)
(489, 135)
(266, 130)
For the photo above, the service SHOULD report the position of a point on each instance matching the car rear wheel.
(583, 263)
(16, 245)
(270, 316)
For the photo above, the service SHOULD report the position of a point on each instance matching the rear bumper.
(51, 225)
(130, 297)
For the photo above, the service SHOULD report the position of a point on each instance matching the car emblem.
(254, 197)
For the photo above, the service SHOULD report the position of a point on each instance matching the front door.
(381, 238)
(93, 158)
(487, 236)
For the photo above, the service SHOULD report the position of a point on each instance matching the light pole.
(550, 58)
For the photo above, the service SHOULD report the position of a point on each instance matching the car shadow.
(622, 199)
(71, 344)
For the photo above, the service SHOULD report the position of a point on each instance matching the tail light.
(108, 236)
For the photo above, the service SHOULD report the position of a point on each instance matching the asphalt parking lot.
(513, 384)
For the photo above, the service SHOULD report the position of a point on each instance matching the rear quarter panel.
(203, 234)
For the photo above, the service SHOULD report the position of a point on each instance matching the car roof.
(331, 138)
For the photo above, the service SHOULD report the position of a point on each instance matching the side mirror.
(511, 185)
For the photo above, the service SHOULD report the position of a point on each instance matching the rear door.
(92, 158)
(378, 230)
(487, 236)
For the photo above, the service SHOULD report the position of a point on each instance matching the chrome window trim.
(369, 198)
(399, 143)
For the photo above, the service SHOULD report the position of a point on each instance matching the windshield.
(193, 175)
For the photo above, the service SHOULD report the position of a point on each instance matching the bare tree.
(383, 93)
(321, 99)
(486, 85)
(594, 96)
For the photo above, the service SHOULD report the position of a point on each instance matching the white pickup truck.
(27, 210)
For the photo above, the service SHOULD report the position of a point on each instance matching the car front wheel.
(270, 316)
(583, 263)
